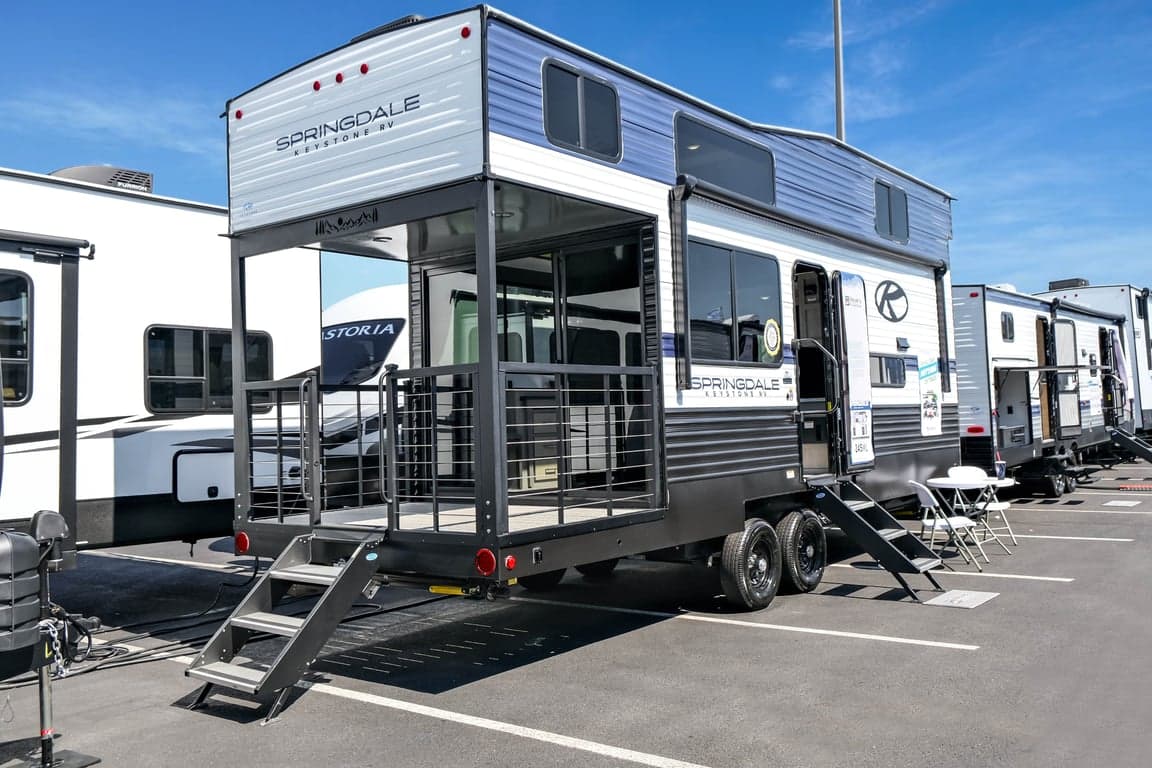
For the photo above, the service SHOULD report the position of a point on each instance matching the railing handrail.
(437, 370)
(609, 370)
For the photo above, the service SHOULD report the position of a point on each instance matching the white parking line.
(1070, 538)
(751, 624)
(1021, 576)
(1073, 508)
(173, 561)
(535, 734)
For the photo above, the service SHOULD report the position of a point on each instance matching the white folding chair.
(985, 503)
(954, 527)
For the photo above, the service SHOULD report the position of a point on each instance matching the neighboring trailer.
(1038, 381)
(724, 316)
(153, 458)
(1131, 303)
(39, 287)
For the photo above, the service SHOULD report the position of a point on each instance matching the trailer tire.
(1069, 483)
(599, 570)
(1053, 485)
(541, 582)
(750, 565)
(803, 549)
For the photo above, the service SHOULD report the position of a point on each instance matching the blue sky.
(1035, 115)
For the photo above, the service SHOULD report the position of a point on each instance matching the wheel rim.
(810, 550)
(759, 565)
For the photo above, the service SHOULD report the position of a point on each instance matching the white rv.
(1040, 383)
(1131, 303)
(153, 448)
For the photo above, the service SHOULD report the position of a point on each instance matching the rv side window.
(725, 161)
(1007, 327)
(581, 113)
(189, 370)
(891, 211)
(733, 305)
(1141, 306)
(888, 371)
(15, 336)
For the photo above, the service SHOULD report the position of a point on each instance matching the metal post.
(241, 407)
(69, 342)
(491, 471)
(838, 43)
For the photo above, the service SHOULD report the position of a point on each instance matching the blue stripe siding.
(814, 178)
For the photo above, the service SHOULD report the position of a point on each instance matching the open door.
(1043, 395)
(1067, 382)
(851, 348)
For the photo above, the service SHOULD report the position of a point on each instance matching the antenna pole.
(838, 44)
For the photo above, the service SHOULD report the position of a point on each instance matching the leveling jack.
(29, 633)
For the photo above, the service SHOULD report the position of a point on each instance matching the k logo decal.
(891, 301)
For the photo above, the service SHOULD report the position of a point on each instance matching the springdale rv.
(1041, 382)
(637, 324)
(153, 457)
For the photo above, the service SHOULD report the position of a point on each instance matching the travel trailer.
(39, 285)
(1131, 303)
(153, 457)
(637, 324)
(1041, 382)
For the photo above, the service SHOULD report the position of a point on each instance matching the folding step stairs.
(1122, 438)
(346, 580)
(871, 527)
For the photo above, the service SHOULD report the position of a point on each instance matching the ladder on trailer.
(873, 528)
(220, 664)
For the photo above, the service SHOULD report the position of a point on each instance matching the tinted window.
(562, 105)
(581, 113)
(15, 336)
(1007, 326)
(352, 353)
(190, 369)
(733, 305)
(887, 371)
(891, 211)
(725, 161)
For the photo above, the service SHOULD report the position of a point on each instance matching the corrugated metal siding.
(712, 443)
(896, 430)
(814, 177)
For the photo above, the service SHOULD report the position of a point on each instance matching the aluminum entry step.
(244, 679)
(272, 623)
(922, 564)
(889, 534)
(858, 504)
(308, 573)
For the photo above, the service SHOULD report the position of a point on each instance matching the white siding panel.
(413, 121)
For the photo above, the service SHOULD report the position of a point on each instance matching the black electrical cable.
(219, 593)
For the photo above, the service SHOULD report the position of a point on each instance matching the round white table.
(979, 507)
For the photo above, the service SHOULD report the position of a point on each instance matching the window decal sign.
(854, 327)
(931, 421)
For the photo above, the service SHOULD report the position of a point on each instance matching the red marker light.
(974, 294)
(316, 85)
(485, 562)
(510, 563)
(241, 543)
(339, 77)
(363, 69)
(465, 33)
(239, 114)
(975, 430)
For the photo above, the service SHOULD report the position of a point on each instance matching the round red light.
(241, 543)
(239, 114)
(339, 77)
(363, 69)
(465, 33)
(485, 562)
(316, 85)
(974, 294)
(510, 563)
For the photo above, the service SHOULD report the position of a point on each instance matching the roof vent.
(1072, 282)
(121, 178)
(1009, 287)
(404, 21)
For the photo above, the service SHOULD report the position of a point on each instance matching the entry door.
(1043, 395)
(1067, 382)
(851, 349)
(1114, 395)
